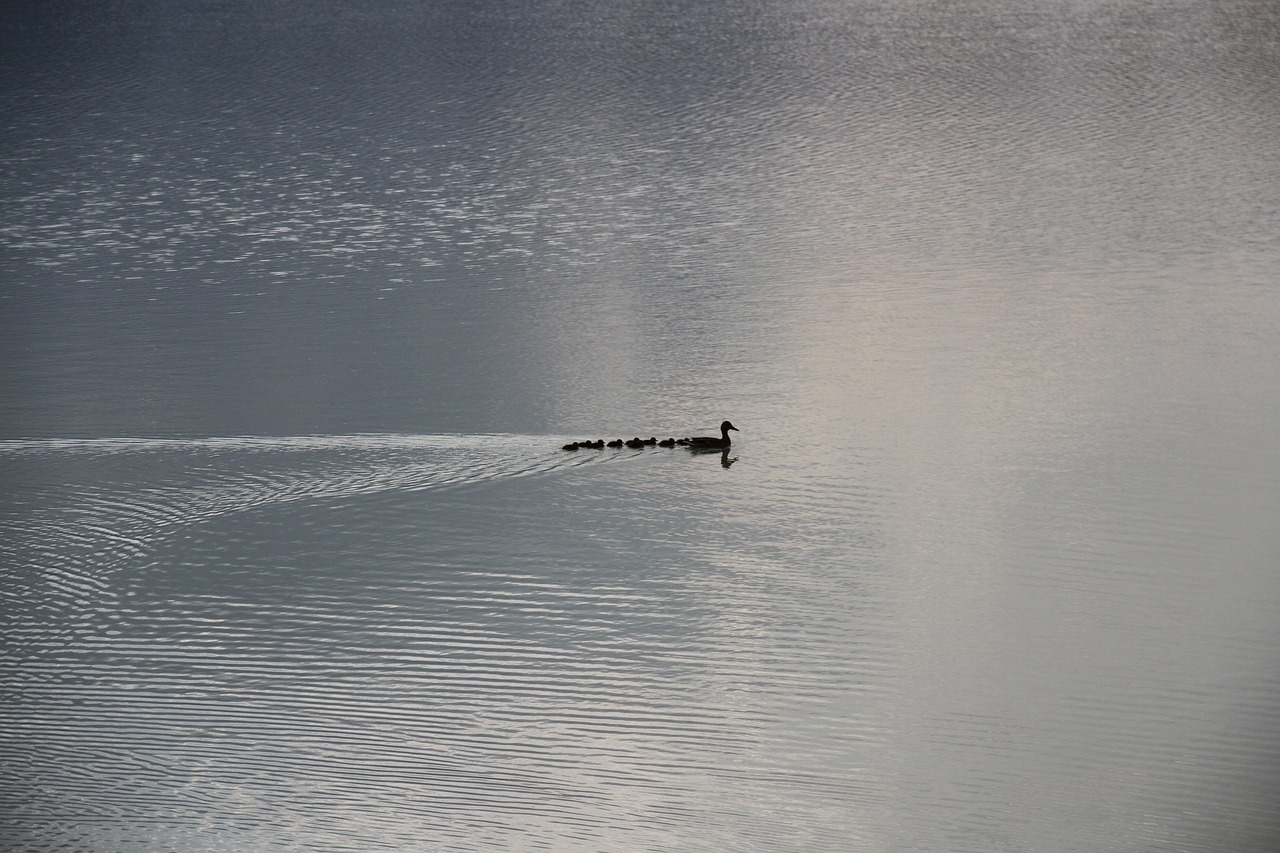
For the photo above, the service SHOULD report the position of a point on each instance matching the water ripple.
(68, 548)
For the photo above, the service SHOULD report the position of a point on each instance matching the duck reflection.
(725, 459)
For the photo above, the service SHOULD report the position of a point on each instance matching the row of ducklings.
(636, 443)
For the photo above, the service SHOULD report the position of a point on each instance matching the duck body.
(617, 442)
(667, 442)
(705, 442)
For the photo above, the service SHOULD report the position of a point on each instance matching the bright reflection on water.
(301, 301)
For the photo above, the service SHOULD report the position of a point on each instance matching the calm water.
(301, 299)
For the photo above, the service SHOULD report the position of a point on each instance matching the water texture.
(300, 301)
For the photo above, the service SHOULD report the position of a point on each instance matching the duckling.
(573, 445)
(667, 442)
(635, 443)
(598, 444)
(617, 442)
(651, 440)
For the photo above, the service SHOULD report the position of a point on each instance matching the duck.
(635, 443)
(598, 444)
(708, 443)
(651, 440)
(617, 442)
(573, 445)
(667, 442)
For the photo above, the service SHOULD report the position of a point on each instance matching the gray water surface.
(300, 302)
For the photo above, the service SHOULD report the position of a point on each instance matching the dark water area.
(299, 301)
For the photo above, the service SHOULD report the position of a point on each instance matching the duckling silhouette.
(709, 443)
(635, 443)
(667, 442)
(573, 445)
(651, 440)
(617, 442)
(598, 444)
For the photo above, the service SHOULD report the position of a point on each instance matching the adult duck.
(707, 442)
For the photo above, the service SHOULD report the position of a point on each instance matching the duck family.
(695, 443)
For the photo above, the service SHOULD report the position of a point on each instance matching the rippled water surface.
(301, 300)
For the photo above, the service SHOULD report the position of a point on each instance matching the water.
(301, 300)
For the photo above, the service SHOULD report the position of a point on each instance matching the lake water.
(300, 301)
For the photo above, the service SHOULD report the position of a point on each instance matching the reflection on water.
(300, 307)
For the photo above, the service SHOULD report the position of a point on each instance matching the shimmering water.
(301, 300)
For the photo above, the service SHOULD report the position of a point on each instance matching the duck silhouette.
(667, 442)
(635, 443)
(617, 442)
(704, 442)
